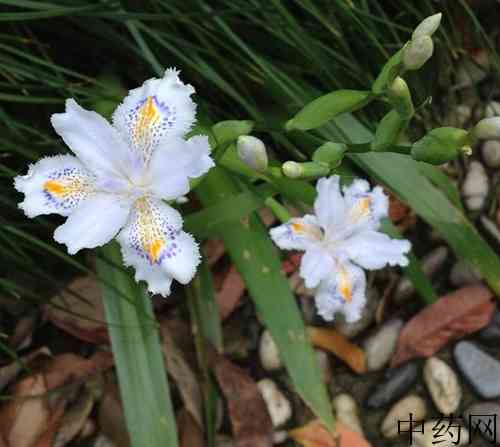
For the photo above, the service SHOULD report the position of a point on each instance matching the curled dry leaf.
(314, 434)
(400, 214)
(454, 315)
(229, 295)
(78, 311)
(252, 426)
(10, 371)
(334, 342)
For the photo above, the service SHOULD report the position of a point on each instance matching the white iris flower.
(116, 184)
(339, 240)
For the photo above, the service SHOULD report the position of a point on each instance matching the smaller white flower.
(339, 240)
(116, 184)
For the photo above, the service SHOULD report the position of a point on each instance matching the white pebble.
(280, 436)
(350, 330)
(443, 385)
(269, 353)
(491, 153)
(433, 433)
(380, 347)
(394, 422)
(475, 187)
(278, 405)
(346, 410)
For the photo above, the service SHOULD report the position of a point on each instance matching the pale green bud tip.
(488, 129)
(466, 150)
(418, 52)
(428, 26)
(292, 169)
(399, 87)
(252, 152)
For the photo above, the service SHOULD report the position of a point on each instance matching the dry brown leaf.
(229, 295)
(10, 371)
(183, 375)
(250, 420)
(314, 434)
(334, 342)
(213, 250)
(55, 420)
(454, 315)
(21, 338)
(400, 214)
(22, 408)
(111, 417)
(79, 311)
(190, 433)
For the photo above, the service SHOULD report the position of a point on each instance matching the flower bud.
(487, 129)
(252, 152)
(441, 145)
(293, 169)
(400, 97)
(428, 26)
(330, 154)
(417, 52)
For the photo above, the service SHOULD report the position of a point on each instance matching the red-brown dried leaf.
(78, 310)
(190, 433)
(229, 295)
(314, 434)
(252, 426)
(454, 315)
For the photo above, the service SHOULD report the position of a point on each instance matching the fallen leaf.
(291, 263)
(229, 296)
(10, 371)
(213, 250)
(250, 420)
(111, 417)
(21, 338)
(190, 433)
(314, 434)
(183, 375)
(451, 317)
(29, 403)
(336, 343)
(400, 214)
(78, 311)
(55, 420)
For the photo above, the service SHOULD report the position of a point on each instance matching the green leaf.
(327, 107)
(228, 131)
(138, 354)
(388, 73)
(255, 257)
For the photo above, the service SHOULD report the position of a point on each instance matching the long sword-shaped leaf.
(138, 355)
(255, 257)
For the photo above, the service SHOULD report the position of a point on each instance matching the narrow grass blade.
(138, 355)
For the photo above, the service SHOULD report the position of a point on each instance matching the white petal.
(172, 166)
(297, 233)
(344, 292)
(329, 205)
(94, 223)
(365, 208)
(159, 109)
(93, 140)
(54, 185)
(316, 264)
(374, 250)
(153, 243)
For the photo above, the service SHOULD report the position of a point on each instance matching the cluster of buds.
(420, 48)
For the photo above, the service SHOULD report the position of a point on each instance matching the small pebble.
(103, 441)
(463, 274)
(278, 405)
(380, 347)
(269, 353)
(490, 335)
(480, 369)
(431, 264)
(280, 436)
(397, 382)
(351, 330)
(437, 433)
(475, 187)
(393, 424)
(468, 73)
(481, 416)
(459, 116)
(443, 385)
(491, 153)
(346, 411)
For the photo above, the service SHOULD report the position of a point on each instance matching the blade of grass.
(138, 355)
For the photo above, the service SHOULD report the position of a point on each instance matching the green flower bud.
(428, 26)
(230, 130)
(252, 152)
(330, 154)
(293, 169)
(388, 131)
(400, 97)
(487, 129)
(441, 145)
(418, 52)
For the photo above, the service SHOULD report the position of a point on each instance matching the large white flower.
(339, 240)
(122, 173)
